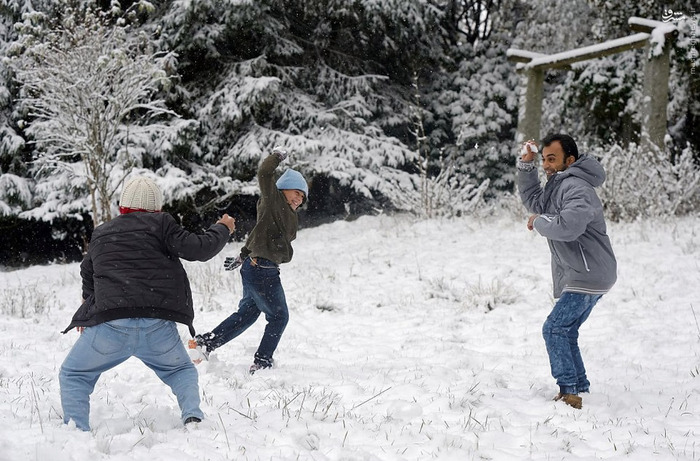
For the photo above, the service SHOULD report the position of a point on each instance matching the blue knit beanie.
(292, 179)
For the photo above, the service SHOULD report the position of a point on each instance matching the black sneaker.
(260, 363)
(192, 419)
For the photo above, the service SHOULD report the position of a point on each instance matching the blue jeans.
(560, 332)
(155, 342)
(262, 292)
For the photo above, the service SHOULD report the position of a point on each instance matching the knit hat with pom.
(141, 194)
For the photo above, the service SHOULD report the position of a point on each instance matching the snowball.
(533, 148)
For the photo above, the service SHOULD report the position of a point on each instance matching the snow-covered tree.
(473, 107)
(684, 91)
(323, 79)
(14, 190)
(89, 96)
(550, 27)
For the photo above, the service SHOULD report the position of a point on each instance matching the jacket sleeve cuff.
(525, 166)
(229, 231)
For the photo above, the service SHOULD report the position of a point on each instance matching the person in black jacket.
(134, 290)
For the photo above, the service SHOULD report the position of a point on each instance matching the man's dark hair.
(568, 144)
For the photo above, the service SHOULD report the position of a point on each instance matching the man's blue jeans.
(560, 332)
(262, 292)
(155, 342)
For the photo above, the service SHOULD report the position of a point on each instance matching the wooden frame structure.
(650, 34)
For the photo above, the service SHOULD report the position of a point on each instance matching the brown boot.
(570, 399)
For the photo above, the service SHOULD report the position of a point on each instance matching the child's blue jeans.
(262, 292)
(155, 342)
(560, 332)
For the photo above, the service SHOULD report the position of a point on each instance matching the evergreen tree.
(473, 107)
(324, 79)
(15, 194)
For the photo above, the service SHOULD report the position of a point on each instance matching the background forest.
(384, 105)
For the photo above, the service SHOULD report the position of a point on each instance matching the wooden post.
(656, 75)
(530, 113)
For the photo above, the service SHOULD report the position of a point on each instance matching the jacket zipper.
(585, 262)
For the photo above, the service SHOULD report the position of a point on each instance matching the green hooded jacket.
(277, 222)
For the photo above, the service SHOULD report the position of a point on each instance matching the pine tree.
(15, 194)
(327, 80)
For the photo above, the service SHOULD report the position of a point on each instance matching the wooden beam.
(648, 25)
(565, 58)
(643, 27)
(516, 55)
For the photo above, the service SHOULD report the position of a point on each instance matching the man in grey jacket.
(568, 212)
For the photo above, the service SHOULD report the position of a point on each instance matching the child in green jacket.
(268, 246)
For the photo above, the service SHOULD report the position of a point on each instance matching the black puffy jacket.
(132, 269)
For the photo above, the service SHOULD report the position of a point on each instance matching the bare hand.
(531, 220)
(528, 151)
(229, 222)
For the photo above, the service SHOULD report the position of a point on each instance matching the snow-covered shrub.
(446, 192)
(645, 181)
(27, 301)
(509, 204)
(488, 296)
(451, 195)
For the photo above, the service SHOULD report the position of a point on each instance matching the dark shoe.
(570, 399)
(192, 419)
(260, 363)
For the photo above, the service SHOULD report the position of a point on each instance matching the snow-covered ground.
(408, 340)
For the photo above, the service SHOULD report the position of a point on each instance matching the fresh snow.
(408, 340)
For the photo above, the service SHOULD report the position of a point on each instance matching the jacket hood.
(587, 168)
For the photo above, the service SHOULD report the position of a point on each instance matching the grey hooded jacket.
(571, 217)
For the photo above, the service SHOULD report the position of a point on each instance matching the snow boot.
(570, 399)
